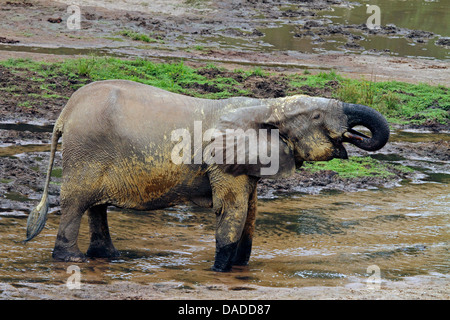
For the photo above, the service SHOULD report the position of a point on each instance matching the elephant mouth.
(339, 151)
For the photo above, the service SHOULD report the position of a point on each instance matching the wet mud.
(240, 33)
(20, 87)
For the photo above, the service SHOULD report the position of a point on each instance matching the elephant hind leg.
(101, 245)
(66, 246)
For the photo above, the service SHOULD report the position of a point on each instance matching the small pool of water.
(414, 15)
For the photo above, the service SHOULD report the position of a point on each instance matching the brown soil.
(16, 100)
(272, 86)
(179, 27)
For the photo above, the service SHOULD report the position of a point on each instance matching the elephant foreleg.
(244, 247)
(101, 245)
(230, 223)
(234, 227)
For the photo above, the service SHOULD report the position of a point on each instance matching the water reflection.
(413, 15)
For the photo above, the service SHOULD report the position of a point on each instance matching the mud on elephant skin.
(118, 147)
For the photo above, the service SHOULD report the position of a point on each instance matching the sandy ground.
(172, 18)
(171, 7)
(411, 288)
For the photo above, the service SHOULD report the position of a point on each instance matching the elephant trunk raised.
(364, 116)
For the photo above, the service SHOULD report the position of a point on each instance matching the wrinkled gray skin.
(116, 150)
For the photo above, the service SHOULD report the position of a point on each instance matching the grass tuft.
(356, 167)
(136, 36)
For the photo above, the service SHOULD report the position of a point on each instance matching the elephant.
(118, 150)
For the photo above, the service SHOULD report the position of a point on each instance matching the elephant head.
(309, 129)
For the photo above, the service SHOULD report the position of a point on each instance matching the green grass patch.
(195, 3)
(319, 80)
(20, 63)
(400, 102)
(199, 48)
(26, 104)
(85, 66)
(355, 167)
(137, 36)
(175, 77)
(57, 173)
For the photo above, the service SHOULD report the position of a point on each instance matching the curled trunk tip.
(371, 119)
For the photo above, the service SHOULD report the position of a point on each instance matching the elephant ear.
(245, 142)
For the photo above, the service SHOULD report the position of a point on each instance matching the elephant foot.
(240, 263)
(241, 259)
(219, 268)
(67, 256)
(243, 253)
(102, 252)
(224, 258)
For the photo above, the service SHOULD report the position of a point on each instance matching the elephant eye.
(316, 116)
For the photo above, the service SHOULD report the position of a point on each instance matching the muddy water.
(418, 136)
(411, 14)
(424, 15)
(301, 240)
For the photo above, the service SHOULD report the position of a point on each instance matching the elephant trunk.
(369, 118)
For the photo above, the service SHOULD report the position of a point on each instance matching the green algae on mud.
(357, 167)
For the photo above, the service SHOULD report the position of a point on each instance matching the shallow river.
(301, 240)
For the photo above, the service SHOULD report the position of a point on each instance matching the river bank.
(198, 31)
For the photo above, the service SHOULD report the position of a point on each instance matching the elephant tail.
(38, 216)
